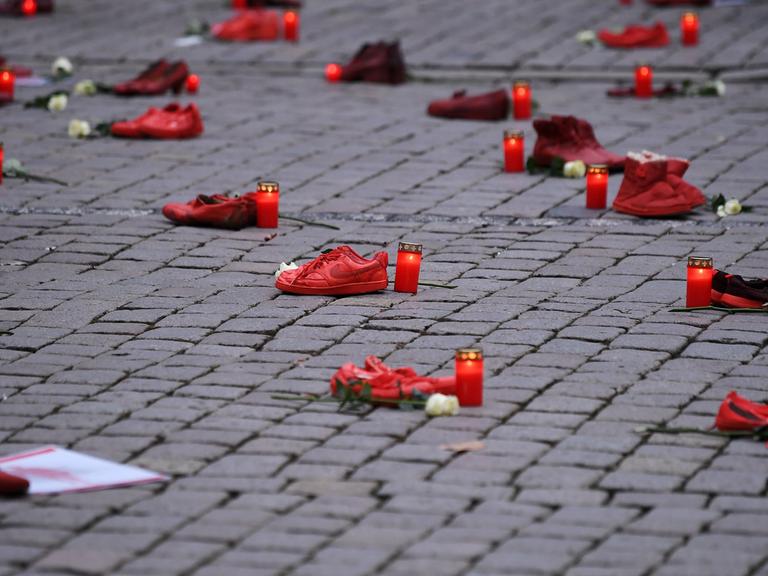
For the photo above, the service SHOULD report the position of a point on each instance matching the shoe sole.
(343, 290)
(734, 301)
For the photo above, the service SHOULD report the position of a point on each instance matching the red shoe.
(491, 106)
(737, 413)
(570, 138)
(636, 36)
(653, 186)
(387, 384)
(217, 211)
(157, 79)
(173, 125)
(132, 128)
(248, 26)
(380, 63)
(341, 271)
(11, 485)
(397, 73)
(735, 292)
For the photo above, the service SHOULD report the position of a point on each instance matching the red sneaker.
(388, 384)
(490, 106)
(570, 138)
(248, 26)
(636, 36)
(157, 79)
(132, 128)
(217, 211)
(341, 271)
(737, 413)
(11, 485)
(173, 124)
(653, 186)
(736, 292)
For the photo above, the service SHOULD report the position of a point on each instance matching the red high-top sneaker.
(636, 36)
(570, 138)
(248, 26)
(217, 211)
(647, 189)
(490, 106)
(341, 271)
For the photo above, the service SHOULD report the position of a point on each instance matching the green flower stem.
(758, 434)
(309, 223)
(34, 177)
(331, 399)
(437, 284)
(721, 309)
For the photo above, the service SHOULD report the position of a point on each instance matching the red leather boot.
(570, 138)
(490, 106)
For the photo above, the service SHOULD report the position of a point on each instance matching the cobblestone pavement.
(124, 336)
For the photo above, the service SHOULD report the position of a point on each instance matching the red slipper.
(636, 36)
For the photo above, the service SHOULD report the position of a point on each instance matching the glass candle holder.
(193, 83)
(689, 29)
(597, 186)
(521, 100)
(408, 267)
(7, 85)
(644, 81)
(469, 376)
(291, 26)
(698, 289)
(514, 151)
(29, 7)
(333, 72)
(267, 204)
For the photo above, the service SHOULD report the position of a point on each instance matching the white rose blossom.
(57, 103)
(79, 128)
(732, 207)
(574, 169)
(85, 88)
(586, 37)
(721, 212)
(284, 267)
(719, 87)
(442, 405)
(61, 67)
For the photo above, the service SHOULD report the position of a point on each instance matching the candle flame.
(290, 17)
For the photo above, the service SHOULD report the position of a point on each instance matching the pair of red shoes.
(25, 7)
(381, 63)
(157, 78)
(216, 211)
(570, 138)
(248, 25)
(388, 384)
(653, 185)
(173, 122)
(636, 36)
(739, 414)
(490, 106)
(338, 272)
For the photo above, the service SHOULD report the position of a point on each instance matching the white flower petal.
(732, 206)
(57, 103)
(61, 67)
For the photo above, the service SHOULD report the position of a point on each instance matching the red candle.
(29, 7)
(643, 81)
(193, 83)
(333, 72)
(291, 26)
(698, 290)
(514, 151)
(267, 201)
(689, 29)
(2, 154)
(407, 269)
(239, 4)
(521, 98)
(7, 82)
(597, 186)
(469, 376)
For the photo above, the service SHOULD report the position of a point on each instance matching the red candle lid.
(409, 247)
(469, 354)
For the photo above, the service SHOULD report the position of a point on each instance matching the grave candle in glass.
(291, 26)
(597, 186)
(408, 267)
(469, 376)
(333, 72)
(521, 99)
(193, 83)
(7, 82)
(267, 201)
(643, 81)
(514, 151)
(698, 290)
(689, 29)
(29, 7)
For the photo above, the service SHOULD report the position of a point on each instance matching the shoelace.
(317, 262)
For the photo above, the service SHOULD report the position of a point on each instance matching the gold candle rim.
(514, 135)
(268, 187)
(520, 84)
(464, 354)
(689, 16)
(597, 169)
(700, 262)
(414, 247)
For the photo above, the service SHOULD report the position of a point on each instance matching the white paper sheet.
(53, 469)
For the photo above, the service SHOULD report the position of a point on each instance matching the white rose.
(284, 267)
(61, 67)
(719, 87)
(721, 211)
(732, 207)
(574, 169)
(85, 88)
(586, 37)
(79, 128)
(57, 103)
(442, 405)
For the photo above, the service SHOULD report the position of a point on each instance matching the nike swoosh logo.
(342, 272)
